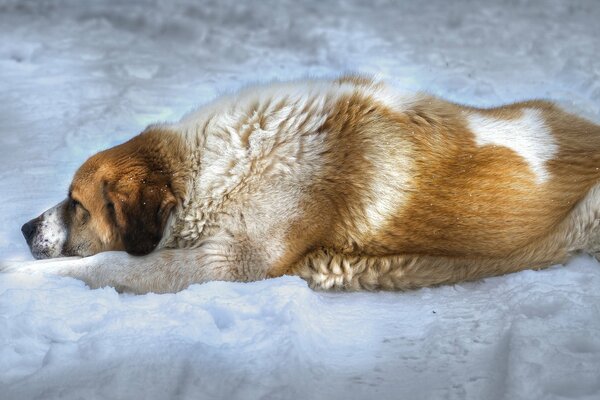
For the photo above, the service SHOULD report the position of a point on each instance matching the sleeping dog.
(348, 183)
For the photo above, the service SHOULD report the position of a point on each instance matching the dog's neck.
(224, 143)
(195, 208)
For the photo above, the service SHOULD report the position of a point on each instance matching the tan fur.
(345, 184)
(150, 161)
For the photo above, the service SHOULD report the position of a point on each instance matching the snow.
(76, 78)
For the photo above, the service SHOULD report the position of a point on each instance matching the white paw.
(54, 265)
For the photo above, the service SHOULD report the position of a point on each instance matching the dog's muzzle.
(46, 234)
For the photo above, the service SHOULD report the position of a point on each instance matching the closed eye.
(76, 204)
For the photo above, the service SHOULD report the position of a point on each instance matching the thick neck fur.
(254, 133)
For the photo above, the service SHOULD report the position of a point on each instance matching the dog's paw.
(15, 266)
(54, 265)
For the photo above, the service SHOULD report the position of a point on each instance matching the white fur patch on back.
(528, 136)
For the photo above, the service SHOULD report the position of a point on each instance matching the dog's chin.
(40, 254)
(48, 254)
(44, 253)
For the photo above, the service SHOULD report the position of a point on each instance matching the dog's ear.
(140, 216)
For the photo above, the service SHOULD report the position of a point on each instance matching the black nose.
(29, 229)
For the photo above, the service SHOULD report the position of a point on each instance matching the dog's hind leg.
(325, 270)
(579, 231)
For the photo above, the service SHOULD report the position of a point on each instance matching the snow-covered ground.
(77, 77)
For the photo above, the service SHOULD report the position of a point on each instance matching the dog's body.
(345, 183)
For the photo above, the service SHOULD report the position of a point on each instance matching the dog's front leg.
(163, 271)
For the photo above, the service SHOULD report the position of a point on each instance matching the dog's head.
(120, 199)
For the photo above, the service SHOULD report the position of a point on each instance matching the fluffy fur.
(347, 183)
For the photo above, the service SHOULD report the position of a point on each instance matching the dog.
(348, 183)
